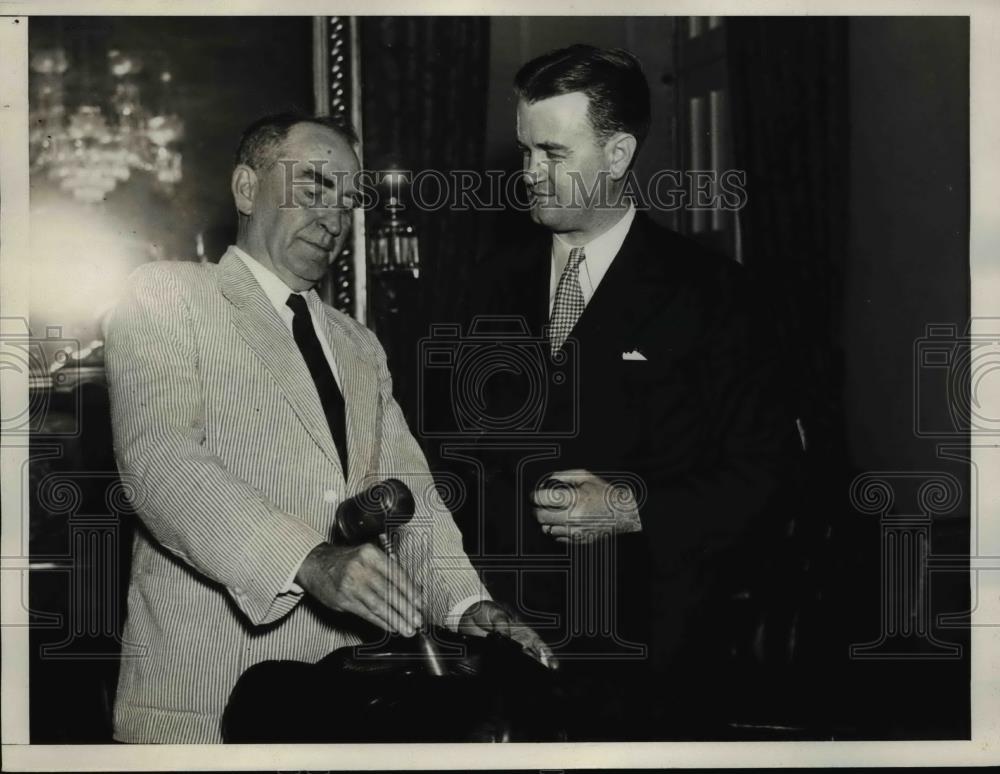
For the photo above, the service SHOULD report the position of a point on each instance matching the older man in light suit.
(244, 411)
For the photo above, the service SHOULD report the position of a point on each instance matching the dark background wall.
(906, 267)
(908, 241)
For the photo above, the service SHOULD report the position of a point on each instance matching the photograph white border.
(984, 747)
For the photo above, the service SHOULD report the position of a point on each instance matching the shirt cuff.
(291, 587)
(454, 617)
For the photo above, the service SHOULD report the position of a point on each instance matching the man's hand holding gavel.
(363, 580)
(352, 575)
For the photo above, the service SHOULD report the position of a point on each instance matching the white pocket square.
(633, 355)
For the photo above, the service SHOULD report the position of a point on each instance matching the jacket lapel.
(265, 334)
(531, 282)
(626, 295)
(541, 270)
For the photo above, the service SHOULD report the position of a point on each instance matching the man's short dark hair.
(612, 79)
(261, 142)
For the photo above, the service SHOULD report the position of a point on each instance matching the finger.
(527, 638)
(406, 590)
(380, 576)
(541, 652)
(532, 644)
(384, 613)
(572, 477)
(500, 620)
(392, 587)
(368, 608)
(548, 516)
(548, 658)
(576, 537)
(555, 497)
(405, 596)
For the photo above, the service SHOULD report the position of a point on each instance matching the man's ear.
(619, 149)
(244, 187)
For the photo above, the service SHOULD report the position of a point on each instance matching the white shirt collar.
(599, 253)
(277, 293)
(273, 286)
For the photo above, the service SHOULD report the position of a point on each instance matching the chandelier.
(88, 152)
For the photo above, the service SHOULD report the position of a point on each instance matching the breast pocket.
(638, 375)
(661, 393)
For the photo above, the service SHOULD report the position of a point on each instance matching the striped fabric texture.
(221, 437)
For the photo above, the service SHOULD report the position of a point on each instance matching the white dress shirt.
(598, 255)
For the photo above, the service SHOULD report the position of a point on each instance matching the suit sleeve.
(196, 509)
(688, 518)
(430, 545)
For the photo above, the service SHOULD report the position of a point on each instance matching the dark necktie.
(330, 396)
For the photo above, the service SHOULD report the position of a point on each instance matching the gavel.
(376, 513)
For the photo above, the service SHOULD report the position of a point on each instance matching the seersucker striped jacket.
(222, 439)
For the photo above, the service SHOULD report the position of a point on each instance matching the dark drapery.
(789, 92)
(425, 85)
(788, 80)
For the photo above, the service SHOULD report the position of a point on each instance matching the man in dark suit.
(670, 443)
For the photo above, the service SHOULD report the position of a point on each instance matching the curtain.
(788, 78)
(425, 85)
(789, 92)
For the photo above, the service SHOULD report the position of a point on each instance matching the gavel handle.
(435, 664)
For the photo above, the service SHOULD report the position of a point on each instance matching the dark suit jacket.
(697, 427)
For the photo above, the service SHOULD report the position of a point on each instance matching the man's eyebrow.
(318, 178)
(544, 145)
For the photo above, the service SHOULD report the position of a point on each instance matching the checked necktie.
(568, 304)
(330, 396)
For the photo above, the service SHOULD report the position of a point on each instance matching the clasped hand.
(580, 506)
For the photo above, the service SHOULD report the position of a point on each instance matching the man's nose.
(536, 169)
(333, 219)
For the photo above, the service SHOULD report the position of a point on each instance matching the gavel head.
(383, 507)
